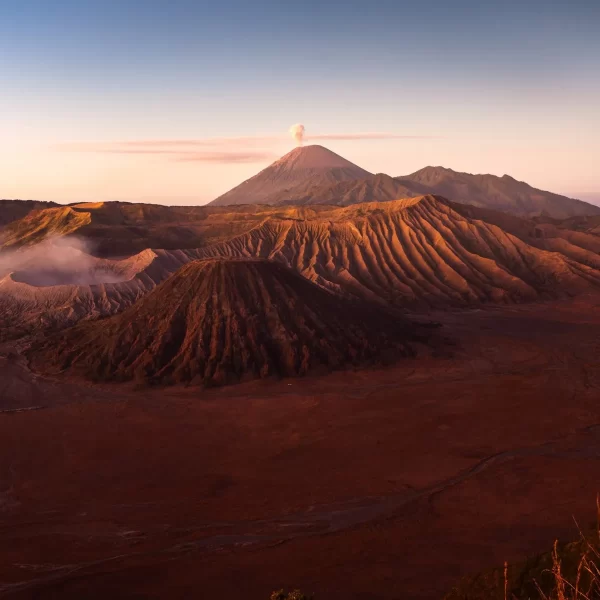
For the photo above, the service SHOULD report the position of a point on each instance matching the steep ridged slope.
(41, 224)
(220, 321)
(13, 210)
(548, 235)
(414, 252)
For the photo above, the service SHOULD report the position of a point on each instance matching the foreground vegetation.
(569, 572)
(293, 595)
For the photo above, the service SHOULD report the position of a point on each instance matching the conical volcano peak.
(300, 170)
(314, 156)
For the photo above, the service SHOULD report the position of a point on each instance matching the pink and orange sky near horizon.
(177, 102)
(195, 171)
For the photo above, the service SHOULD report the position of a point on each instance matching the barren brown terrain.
(415, 253)
(374, 484)
(119, 228)
(223, 321)
(303, 302)
(366, 401)
(13, 210)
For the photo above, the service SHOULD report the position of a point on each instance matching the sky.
(178, 101)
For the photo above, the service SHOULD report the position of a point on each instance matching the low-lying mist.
(58, 261)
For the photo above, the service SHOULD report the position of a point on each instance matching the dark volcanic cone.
(222, 321)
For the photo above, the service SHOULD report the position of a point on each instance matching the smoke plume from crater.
(297, 132)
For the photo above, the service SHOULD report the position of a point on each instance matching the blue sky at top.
(511, 85)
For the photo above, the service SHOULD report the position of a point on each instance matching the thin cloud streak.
(163, 145)
(241, 149)
(226, 157)
(216, 142)
(133, 151)
(176, 154)
(205, 142)
(368, 136)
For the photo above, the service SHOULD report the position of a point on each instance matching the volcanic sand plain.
(372, 484)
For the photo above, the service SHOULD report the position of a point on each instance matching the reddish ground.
(368, 485)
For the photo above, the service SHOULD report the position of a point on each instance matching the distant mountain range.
(499, 193)
(315, 175)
